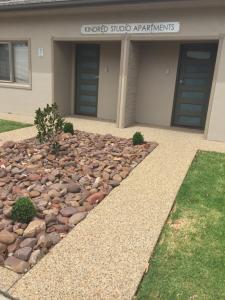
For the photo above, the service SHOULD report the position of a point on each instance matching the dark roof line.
(32, 4)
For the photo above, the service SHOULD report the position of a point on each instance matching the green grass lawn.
(189, 259)
(11, 125)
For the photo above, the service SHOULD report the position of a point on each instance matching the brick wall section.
(132, 79)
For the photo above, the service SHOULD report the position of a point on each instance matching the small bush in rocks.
(138, 138)
(23, 210)
(49, 124)
(68, 128)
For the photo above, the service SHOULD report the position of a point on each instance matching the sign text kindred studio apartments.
(132, 28)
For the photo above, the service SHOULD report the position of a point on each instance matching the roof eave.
(73, 3)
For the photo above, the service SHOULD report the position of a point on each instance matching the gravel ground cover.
(64, 188)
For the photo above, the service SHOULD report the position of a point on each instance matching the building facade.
(152, 62)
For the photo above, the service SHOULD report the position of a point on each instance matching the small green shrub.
(138, 138)
(23, 210)
(49, 123)
(68, 128)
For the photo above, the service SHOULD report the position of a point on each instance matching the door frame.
(182, 46)
(76, 78)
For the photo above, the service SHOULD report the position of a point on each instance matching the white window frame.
(12, 82)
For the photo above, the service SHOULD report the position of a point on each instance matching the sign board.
(131, 28)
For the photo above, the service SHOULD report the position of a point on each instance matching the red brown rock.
(68, 211)
(13, 247)
(34, 177)
(34, 194)
(16, 265)
(95, 198)
(7, 237)
(3, 247)
(62, 220)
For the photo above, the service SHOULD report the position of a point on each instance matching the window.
(14, 62)
(199, 54)
(4, 62)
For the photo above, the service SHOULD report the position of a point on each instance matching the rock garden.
(44, 194)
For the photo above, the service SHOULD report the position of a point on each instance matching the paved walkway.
(105, 256)
(2, 297)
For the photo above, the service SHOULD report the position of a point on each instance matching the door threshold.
(82, 117)
(89, 118)
(187, 129)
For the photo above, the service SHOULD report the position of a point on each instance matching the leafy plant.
(23, 210)
(49, 124)
(55, 147)
(68, 128)
(138, 138)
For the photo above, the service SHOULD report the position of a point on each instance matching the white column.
(121, 104)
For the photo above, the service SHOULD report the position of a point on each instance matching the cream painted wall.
(63, 68)
(108, 80)
(43, 26)
(64, 78)
(132, 83)
(216, 119)
(25, 100)
(156, 82)
(65, 24)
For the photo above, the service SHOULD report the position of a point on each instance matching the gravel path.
(107, 254)
(7, 279)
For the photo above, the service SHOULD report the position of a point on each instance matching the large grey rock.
(50, 218)
(73, 188)
(44, 241)
(76, 218)
(28, 242)
(16, 170)
(35, 256)
(23, 253)
(54, 237)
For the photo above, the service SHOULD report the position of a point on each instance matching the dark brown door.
(87, 73)
(194, 83)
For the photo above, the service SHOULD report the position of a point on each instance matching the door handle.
(181, 81)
